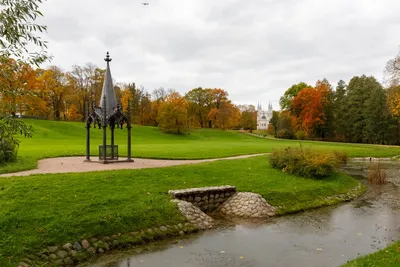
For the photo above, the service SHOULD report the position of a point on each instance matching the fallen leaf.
(359, 233)
(181, 246)
(222, 251)
(320, 249)
(241, 257)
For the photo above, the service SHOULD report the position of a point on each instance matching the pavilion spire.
(108, 89)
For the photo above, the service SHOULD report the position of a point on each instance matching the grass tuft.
(376, 174)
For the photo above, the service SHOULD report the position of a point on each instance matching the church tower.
(263, 116)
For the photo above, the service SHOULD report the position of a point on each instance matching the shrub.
(341, 156)
(304, 162)
(8, 150)
(285, 134)
(300, 135)
(376, 175)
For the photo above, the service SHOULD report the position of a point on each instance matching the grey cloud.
(255, 50)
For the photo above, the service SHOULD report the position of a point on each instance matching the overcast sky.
(253, 49)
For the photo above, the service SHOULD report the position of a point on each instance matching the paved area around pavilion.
(77, 164)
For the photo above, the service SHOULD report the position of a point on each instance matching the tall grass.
(376, 174)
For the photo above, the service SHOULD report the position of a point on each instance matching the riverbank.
(54, 209)
(387, 257)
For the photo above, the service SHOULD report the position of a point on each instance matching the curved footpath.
(77, 164)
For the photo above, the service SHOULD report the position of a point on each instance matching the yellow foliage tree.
(73, 113)
(173, 114)
(394, 106)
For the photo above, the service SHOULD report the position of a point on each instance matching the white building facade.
(263, 117)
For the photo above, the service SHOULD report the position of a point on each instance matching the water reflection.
(324, 237)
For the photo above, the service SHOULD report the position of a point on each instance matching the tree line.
(66, 95)
(362, 111)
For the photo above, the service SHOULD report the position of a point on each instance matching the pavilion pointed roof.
(108, 90)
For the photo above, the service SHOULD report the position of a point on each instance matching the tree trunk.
(398, 133)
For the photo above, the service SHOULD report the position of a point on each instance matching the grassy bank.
(54, 139)
(41, 210)
(387, 257)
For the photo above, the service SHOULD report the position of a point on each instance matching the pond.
(323, 237)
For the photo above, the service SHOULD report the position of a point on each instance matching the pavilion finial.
(108, 59)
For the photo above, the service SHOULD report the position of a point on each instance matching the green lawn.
(387, 257)
(54, 139)
(41, 210)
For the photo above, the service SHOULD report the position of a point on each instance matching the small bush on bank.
(341, 156)
(376, 174)
(285, 134)
(300, 135)
(8, 150)
(304, 162)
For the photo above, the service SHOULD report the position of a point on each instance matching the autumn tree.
(173, 114)
(144, 106)
(17, 40)
(287, 99)
(223, 114)
(199, 101)
(158, 98)
(17, 86)
(54, 83)
(85, 83)
(73, 113)
(309, 110)
(392, 71)
(224, 117)
(274, 122)
(248, 119)
(393, 99)
(287, 125)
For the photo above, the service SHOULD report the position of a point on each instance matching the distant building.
(263, 117)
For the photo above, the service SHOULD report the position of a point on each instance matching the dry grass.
(376, 174)
(341, 156)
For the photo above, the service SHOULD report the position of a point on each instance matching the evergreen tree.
(376, 115)
(339, 110)
(359, 92)
(274, 121)
(328, 131)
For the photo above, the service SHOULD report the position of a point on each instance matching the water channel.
(323, 237)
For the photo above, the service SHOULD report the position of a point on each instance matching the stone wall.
(206, 198)
(74, 253)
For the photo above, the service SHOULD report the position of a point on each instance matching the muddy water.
(323, 237)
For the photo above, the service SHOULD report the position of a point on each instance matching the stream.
(327, 236)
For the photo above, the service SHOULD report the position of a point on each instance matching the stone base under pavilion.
(107, 161)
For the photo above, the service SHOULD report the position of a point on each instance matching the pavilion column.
(129, 156)
(112, 141)
(104, 128)
(87, 135)
(87, 141)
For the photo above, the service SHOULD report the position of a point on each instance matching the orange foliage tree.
(309, 107)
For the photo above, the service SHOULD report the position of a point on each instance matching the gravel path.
(77, 164)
